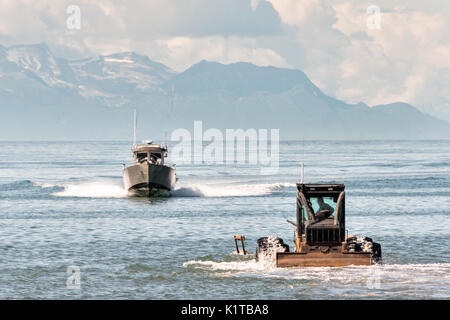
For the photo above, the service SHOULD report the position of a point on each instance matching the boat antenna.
(135, 126)
(166, 138)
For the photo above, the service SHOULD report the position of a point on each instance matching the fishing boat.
(149, 173)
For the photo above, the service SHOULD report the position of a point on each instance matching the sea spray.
(267, 250)
(231, 190)
(93, 189)
(104, 188)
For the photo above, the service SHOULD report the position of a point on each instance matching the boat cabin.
(321, 213)
(149, 153)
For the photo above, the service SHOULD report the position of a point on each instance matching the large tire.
(365, 244)
(360, 244)
(265, 245)
(354, 239)
(376, 253)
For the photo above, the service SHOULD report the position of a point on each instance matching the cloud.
(176, 32)
(174, 18)
(182, 51)
(407, 59)
(301, 12)
(410, 51)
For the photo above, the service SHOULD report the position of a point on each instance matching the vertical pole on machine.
(302, 173)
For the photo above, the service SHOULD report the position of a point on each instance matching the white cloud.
(181, 52)
(409, 52)
(254, 4)
(408, 59)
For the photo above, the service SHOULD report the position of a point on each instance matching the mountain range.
(43, 97)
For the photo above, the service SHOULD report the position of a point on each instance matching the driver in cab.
(324, 210)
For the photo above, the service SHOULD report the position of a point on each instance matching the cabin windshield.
(318, 204)
(155, 158)
(142, 157)
(151, 157)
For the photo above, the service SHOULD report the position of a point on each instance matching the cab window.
(323, 203)
(141, 157)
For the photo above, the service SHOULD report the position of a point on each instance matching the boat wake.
(230, 190)
(113, 188)
(91, 189)
(94, 189)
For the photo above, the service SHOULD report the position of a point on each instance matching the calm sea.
(63, 207)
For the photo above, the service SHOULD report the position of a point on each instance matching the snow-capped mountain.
(117, 76)
(46, 97)
(105, 79)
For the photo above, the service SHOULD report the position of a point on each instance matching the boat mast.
(134, 131)
(166, 139)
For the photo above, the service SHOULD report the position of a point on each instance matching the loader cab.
(321, 213)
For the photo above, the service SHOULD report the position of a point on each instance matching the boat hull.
(147, 177)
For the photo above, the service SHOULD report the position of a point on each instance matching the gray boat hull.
(147, 178)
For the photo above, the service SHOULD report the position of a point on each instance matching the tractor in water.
(320, 233)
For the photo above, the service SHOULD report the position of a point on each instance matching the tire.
(376, 253)
(360, 244)
(265, 245)
(355, 239)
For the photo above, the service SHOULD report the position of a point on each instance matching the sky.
(376, 52)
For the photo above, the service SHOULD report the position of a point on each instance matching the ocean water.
(62, 204)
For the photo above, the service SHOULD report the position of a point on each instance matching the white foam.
(236, 266)
(266, 261)
(387, 274)
(114, 189)
(44, 185)
(231, 190)
(93, 189)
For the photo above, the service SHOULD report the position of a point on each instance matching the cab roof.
(320, 189)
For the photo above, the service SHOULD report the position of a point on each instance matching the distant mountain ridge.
(46, 97)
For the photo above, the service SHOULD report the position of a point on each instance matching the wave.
(234, 190)
(113, 188)
(444, 164)
(45, 185)
(404, 273)
(16, 185)
(92, 189)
